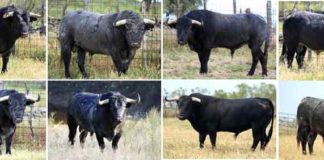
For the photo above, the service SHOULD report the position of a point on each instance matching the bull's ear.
(149, 24)
(32, 19)
(34, 16)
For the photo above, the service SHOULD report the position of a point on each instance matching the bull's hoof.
(201, 146)
(304, 153)
(3, 71)
(85, 76)
(252, 149)
(214, 148)
(250, 74)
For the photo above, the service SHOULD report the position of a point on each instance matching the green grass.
(181, 62)
(180, 140)
(141, 140)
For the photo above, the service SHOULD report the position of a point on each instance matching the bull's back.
(307, 28)
(237, 115)
(83, 108)
(86, 30)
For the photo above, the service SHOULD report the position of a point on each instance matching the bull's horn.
(33, 98)
(8, 14)
(121, 22)
(129, 100)
(172, 22)
(148, 21)
(171, 99)
(4, 98)
(196, 99)
(196, 22)
(103, 102)
(34, 15)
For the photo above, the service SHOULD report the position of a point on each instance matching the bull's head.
(185, 104)
(16, 104)
(117, 104)
(184, 26)
(18, 20)
(133, 26)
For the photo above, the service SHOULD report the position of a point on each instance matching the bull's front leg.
(8, 143)
(100, 142)
(115, 141)
(212, 137)
(202, 137)
(203, 58)
(5, 60)
(0, 144)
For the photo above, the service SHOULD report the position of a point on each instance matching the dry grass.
(141, 140)
(288, 149)
(24, 154)
(181, 62)
(312, 70)
(180, 140)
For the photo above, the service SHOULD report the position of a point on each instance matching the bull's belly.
(235, 129)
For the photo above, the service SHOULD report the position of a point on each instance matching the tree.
(180, 7)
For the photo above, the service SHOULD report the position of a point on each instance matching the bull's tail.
(272, 119)
(267, 42)
(298, 138)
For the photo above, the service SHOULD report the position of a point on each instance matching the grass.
(180, 140)
(26, 68)
(288, 148)
(24, 154)
(313, 70)
(181, 62)
(141, 140)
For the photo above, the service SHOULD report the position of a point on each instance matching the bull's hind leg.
(263, 140)
(301, 51)
(255, 58)
(256, 132)
(203, 58)
(72, 128)
(263, 61)
(311, 138)
(66, 56)
(291, 49)
(212, 137)
(115, 141)
(81, 59)
(82, 137)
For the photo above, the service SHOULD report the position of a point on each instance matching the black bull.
(204, 30)
(14, 23)
(209, 115)
(102, 114)
(12, 108)
(302, 30)
(118, 35)
(310, 119)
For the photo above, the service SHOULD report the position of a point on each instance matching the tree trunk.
(234, 6)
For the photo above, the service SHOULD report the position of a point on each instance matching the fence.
(34, 46)
(148, 56)
(287, 123)
(23, 137)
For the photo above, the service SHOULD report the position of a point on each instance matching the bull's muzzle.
(135, 45)
(24, 35)
(181, 42)
(19, 120)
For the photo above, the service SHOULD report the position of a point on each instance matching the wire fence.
(287, 123)
(23, 137)
(148, 56)
(34, 46)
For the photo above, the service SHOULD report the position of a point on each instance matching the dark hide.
(302, 29)
(11, 113)
(213, 115)
(97, 33)
(310, 119)
(106, 121)
(224, 31)
(12, 28)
